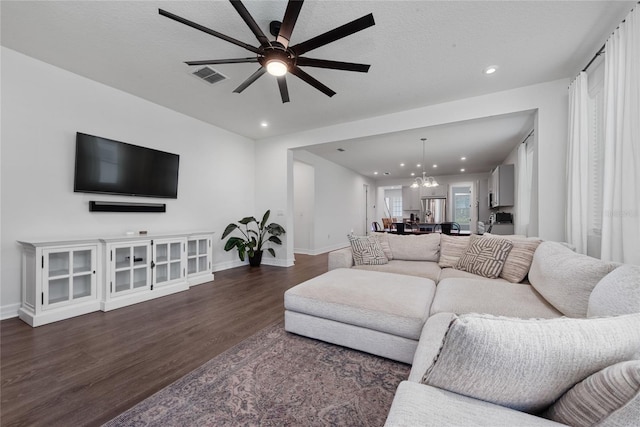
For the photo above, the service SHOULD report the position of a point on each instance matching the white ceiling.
(421, 53)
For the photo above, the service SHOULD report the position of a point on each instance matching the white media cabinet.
(64, 279)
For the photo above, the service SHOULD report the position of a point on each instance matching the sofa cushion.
(385, 302)
(452, 273)
(427, 269)
(516, 267)
(617, 293)
(485, 257)
(528, 364)
(409, 247)
(451, 249)
(367, 250)
(610, 394)
(491, 297)
(383, 239)
(420, 405)
(565, 278)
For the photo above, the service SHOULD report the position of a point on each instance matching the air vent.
(209, 75)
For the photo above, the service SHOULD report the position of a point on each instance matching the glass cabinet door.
(198, 255)
(130, 268)
(69, 275)
(167, 261)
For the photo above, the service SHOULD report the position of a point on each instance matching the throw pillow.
(565, 278)
(516, 266)
(485, 257)
(367, 251)
(451, 249)
(617, 293)
(527, 364)
(409, 247)
(598, 397)
(383, 239)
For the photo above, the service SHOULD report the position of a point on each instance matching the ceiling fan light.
(277, 68)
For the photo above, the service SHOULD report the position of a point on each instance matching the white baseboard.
(321, 250)
(278, 262)
(9, 311)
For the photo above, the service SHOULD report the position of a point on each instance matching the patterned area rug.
(275, 378)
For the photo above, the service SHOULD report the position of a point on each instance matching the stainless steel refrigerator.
(433, 209)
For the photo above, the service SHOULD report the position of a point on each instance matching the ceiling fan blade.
(251, 23)
(208, 30)
(296, 71)
(222, 61)
(288, 22)
(255, 76)
(284, 91)
(335, 34)
(334, 65)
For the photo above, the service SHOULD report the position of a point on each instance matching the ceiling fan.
(277, 57)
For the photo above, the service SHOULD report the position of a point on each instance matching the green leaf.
(265, 217)
(272, 252)
(233, 242)
(247, 219)
(228, 230)
(275, 229)
(275, 240)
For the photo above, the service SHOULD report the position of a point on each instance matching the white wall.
(43, 107)
(304, 195)
(339, 202)
(550, 99)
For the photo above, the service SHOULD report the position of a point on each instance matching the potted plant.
(253, 237)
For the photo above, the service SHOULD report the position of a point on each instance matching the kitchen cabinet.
(410, 199)
(502, 186)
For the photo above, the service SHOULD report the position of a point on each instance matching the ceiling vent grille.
(209, 75)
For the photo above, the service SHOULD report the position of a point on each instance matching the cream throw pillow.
(367, 251)
(485, 257)
(383, 239)
(527, 364)
(612, 393)
(451, 249)
(516, 267)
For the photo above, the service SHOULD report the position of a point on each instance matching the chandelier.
(424, 181)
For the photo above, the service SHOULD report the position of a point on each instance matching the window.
(462, 206)
(395, 206)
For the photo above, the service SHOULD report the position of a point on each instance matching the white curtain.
(525, 171)
(621, 182)
(576, 220)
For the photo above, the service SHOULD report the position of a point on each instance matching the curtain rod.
(530, 133)
(601, 50)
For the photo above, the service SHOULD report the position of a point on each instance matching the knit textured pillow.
(485, 257)
(367, 251)
(383, 239)
(608, 397)
(527, 364)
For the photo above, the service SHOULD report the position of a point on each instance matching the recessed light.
(375, 173)
(463, 158)
(435, 166)
(418, 165)
(490, 69)
(401, 164)
(264, 124)
(462, 170)
(413, 174)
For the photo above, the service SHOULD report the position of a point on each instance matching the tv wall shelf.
(95, 206)
(64, 279)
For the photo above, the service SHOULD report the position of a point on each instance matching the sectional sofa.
(499, 330)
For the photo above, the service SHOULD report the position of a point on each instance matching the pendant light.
(424, 181)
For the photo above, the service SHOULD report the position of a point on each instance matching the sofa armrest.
(342, 258)
(431, 338)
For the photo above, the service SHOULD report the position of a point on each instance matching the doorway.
(461, 197)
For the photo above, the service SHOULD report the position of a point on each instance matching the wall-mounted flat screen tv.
(112, 167)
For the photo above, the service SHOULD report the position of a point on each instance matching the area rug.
(275, 378)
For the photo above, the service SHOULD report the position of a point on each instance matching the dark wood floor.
(86, 370)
